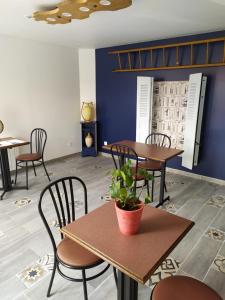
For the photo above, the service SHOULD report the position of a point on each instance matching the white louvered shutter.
(195, 104)
(144, 107)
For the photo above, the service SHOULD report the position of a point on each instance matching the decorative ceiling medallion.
(67, 10)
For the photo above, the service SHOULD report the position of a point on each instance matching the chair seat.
(28, 157)
(183, 288)
(75, 255)
(138, 177)
(150, 165)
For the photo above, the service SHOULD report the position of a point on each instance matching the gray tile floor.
(25, 249)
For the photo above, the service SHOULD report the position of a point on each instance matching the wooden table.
(136, 257)
(5, 144)
(152, 152)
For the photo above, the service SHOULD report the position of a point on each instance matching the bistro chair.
(60, 194)
(161, 140)
(38, 140)
(183, 288)
(120, 154)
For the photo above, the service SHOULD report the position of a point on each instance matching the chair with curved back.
(61, 195)
(161, 140)
(38, 140)
(183, 287)
(120, 154)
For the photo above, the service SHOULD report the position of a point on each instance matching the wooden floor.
(25, 249)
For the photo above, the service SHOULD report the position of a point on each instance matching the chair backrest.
(158, 139)
(59, 197)
(121, 154)
(38, 138)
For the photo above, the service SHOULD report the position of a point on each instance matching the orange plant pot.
(129, 221)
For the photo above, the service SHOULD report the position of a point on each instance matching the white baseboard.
(184, 173)
(104, 154)
(197, 176)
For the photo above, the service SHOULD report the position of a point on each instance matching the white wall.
(87, 75)
(39, 87)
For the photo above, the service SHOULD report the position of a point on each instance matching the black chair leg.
(115, 276)
(153, 181)
(16, 172)
(51, 280)
(27, 175)
(84, 285)
(165, 188)
(45, 169)
(147, 185)
(34, 168)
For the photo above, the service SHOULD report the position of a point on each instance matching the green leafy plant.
(122, 188)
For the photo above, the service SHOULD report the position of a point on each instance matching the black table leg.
(127, 287)
(6, 177)
(162, 182)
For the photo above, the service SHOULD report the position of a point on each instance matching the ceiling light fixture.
(67, 10)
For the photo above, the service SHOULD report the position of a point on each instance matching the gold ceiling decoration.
(67, 10)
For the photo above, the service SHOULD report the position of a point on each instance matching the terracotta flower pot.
(129, 221)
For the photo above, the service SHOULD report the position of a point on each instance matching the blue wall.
(116, 105)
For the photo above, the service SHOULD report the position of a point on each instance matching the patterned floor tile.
(37, 271)
(172, 182)
(32, 275)
(47, 261)
(22, 202)
(217, 201)
(168, 268)
(219, 264)
(215, 234)
(170, 207)
(106, 197)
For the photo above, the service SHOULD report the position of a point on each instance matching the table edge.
(179, 151)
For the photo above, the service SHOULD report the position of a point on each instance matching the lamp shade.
(1, 126)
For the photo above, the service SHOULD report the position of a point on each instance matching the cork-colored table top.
(138, 255)
(11, 142)
(149, 151)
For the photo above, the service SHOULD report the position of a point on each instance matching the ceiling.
(145, 20)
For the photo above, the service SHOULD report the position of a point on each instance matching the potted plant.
(128, 205)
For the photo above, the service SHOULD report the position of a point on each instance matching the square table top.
(149, 151)
(137, 255)
(10, 142)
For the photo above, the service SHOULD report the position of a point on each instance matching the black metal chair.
(38, 140)
(120, 154)
(161, 140)
(60, 194)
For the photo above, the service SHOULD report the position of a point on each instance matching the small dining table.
(151, 152)
(5, 144)
(136, 257)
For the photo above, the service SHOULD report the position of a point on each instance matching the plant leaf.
(147, 199)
